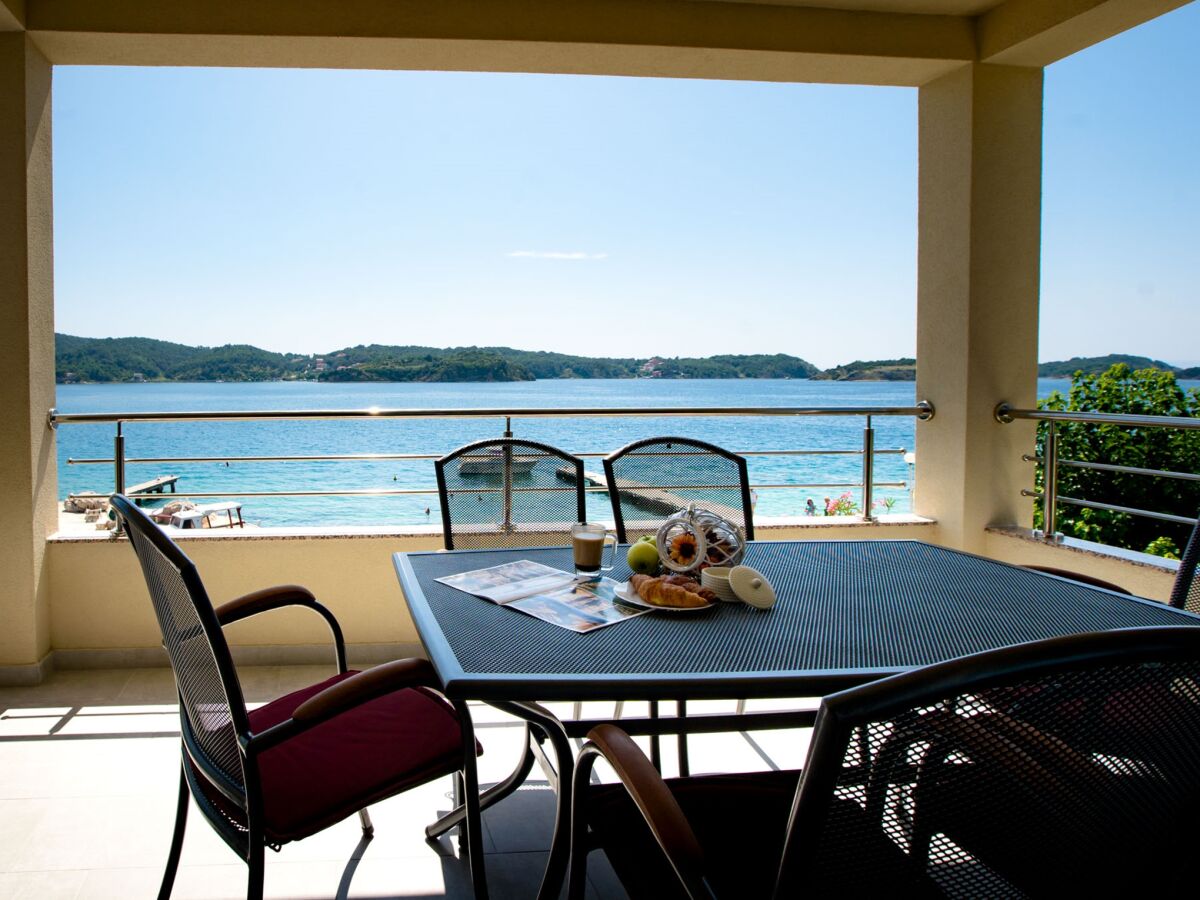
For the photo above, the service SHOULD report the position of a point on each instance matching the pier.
(655, 500)
(159, 485)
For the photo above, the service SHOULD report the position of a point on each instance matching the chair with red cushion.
(307, 760)
(947, 795)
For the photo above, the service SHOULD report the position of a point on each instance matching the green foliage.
(1164, 547)
(472, 365)
(1141, 392)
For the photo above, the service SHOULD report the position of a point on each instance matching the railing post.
(1050, 486)
(119, 462)
(868, 471)
(508, 461)
(119, 469)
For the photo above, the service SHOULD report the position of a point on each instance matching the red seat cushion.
(364, 755)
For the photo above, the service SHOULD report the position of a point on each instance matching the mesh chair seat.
(335, 769)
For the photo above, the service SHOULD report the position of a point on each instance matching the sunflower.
(683, 548)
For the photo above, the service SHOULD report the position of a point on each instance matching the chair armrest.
(348, 693)
(657, 804)
(264, 600)
(1080, 577)
(276, 598)
(364, 687)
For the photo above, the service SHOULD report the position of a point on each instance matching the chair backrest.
(650, 479)
(1061, 767)
(212, 709)
(1186, 592)
(509, 493)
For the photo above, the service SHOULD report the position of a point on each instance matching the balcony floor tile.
(89, 763)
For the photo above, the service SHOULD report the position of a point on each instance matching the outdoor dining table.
(847, 612)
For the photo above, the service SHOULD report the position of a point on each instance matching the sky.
(310, 210)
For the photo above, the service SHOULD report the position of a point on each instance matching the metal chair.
(306, 760)
(948, 796)
(650, 479)
(509, 493)
(1186, 592)
(506, 492)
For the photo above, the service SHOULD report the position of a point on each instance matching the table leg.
(655, 745)
(685, 768)
(560, 844)
(471, 804)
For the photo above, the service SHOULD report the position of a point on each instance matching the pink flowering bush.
(842, 505)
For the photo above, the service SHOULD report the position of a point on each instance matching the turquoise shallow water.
(280, 438)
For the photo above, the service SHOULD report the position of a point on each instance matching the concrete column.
(27, 448)
(979, 250)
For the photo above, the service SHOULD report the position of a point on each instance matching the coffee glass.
(587, 545)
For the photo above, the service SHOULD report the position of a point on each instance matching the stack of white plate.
(716, 579)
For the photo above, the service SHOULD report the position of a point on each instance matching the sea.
(809, 477)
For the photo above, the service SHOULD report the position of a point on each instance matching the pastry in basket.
(659, 592)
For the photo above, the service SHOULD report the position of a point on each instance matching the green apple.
(643, 557)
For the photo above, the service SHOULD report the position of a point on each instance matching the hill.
(1094, 365)
(872, 370)
(80, 359)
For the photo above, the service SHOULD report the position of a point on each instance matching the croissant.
(690, 584)
(658, 592)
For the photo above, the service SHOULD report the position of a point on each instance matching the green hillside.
(98, 360)
(872, 370)
(81, 359)
(1095, 365)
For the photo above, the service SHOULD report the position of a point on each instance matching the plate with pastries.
(667, 593)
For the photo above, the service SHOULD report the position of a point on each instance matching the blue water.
(438, 436)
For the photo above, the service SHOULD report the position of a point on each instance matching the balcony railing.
(119, 460)
(1052, 462)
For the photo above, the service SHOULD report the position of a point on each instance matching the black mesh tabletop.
(848, 611)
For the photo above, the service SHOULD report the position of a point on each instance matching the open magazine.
(551, 595)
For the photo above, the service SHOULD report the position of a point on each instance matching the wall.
(100, 601)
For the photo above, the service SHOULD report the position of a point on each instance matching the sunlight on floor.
(88, 774)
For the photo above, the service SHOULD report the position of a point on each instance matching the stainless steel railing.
(1052, 463)
(119, 460)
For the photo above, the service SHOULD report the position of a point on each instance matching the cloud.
(554, 254)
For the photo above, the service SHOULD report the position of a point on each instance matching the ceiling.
(922, 7)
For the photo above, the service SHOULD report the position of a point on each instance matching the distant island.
(1094, 365)
(134, 359)
(106, 360)
(872, 370)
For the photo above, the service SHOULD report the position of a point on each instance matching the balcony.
(83, 707)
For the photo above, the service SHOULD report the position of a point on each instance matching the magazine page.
(511, 581)
(582, 607)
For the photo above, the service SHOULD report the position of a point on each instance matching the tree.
(1140, 392)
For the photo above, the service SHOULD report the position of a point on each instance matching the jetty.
(159, 485)
(92, 500)
(655, 500)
